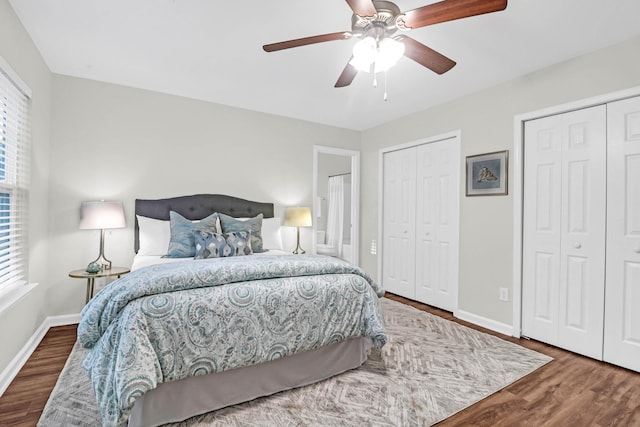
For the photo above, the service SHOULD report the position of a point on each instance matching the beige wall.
(486, 121)
(115, 142)
(21, 320)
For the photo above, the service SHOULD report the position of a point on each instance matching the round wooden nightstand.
(82, 274)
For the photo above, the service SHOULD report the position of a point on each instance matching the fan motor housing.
(384, 21)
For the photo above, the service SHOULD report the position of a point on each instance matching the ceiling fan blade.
(347, 76)
(362, 7)
(306, 41)
(449, 10)
(426, 56)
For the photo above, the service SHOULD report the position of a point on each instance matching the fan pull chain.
(385, 86)
(372, 70)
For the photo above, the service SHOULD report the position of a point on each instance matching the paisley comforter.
(170, 321)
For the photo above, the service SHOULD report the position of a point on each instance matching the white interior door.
(541, 228)
(399, 195)
(437, 207)
(622, 313)
(582, 253)
(564, 230)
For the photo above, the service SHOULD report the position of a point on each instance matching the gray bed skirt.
(179, 400)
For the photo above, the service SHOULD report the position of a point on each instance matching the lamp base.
(299, 250)
(102, 260)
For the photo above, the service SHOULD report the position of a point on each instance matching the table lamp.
(297, 217)
(100, 216)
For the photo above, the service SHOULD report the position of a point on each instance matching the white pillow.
(154, 236)
(271, 237)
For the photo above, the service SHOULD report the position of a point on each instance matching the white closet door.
(541, 228)
(437, 223)
(582, 254)
(399, 193)
(622, 313)
(564, 230)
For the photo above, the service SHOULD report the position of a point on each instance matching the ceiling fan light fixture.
(383, 55)
(389, 53)
(364, 54)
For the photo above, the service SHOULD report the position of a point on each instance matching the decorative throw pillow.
(217, 245)
(230, 224)
(182, 243)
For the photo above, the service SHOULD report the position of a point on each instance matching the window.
(14, 177)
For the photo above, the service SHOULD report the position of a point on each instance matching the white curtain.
(335, 215)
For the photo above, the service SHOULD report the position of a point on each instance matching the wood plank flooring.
(569, 391)
(23, 401)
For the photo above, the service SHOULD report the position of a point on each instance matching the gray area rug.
(430, 369)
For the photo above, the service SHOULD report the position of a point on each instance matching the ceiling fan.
(376, 23)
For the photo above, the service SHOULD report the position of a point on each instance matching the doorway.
(336, 199)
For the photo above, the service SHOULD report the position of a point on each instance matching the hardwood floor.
(23, 401)
(569, 391)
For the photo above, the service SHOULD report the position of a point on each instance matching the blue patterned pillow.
(182, 243)
(216, 245)
(254, 225)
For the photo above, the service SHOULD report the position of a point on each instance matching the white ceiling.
(212, 50)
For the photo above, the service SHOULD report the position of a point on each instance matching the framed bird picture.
(487, 174)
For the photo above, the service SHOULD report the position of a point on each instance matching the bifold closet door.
(399, 219)
(437, 223)
(564, 230)
(622, 313)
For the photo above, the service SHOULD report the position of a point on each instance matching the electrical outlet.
(504, 294)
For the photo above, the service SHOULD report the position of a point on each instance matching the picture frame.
(488, 174)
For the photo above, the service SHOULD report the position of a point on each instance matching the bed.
(179, 336)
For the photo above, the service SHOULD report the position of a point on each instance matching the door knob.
(637, 250)
(577, 245)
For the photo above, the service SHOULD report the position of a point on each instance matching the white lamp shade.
(364, 53)
(297, 217)
(101, 215)
(389, 53)
(384, 55)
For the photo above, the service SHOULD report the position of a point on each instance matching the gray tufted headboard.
(198, 206)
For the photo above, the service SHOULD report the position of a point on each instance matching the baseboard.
(23, 355)
(65, 319)
(484, 322)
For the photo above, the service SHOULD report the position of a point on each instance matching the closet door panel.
(541, 228)
(399, 188)
(582, 244)
(630, 299)
(428, 194)
(564, 230)
(437, 223)
(622, 313)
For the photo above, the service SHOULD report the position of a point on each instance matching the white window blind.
(15, 140)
